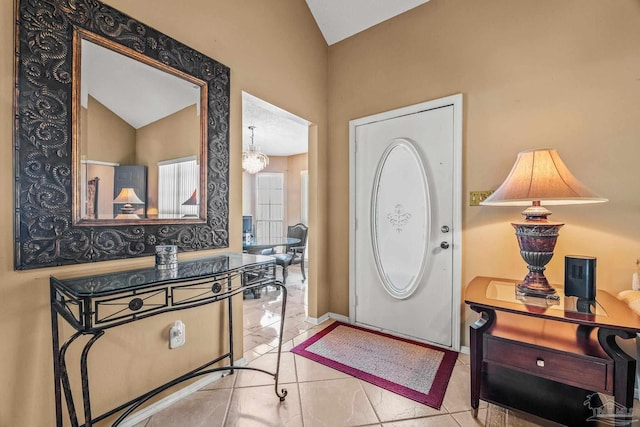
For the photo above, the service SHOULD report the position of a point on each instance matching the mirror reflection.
(141, 138)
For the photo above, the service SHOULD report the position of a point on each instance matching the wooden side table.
(544, 356)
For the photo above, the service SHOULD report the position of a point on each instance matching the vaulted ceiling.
(277, 132)
(339, 19)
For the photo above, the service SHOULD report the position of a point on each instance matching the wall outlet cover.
(177, 336)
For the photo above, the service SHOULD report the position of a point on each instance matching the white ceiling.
(277, 132)
(136, 92)
(121, 85)
(339, 19)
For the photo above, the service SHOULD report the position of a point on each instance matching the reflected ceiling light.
(539, 176)
(127, 196)
(253, 160)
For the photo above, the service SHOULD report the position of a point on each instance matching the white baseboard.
(327, 316)
(339, 318)
(143, 414)
(317, 320)
(465, 350)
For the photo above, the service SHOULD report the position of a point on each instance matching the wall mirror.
(121, 138)
(140, 137)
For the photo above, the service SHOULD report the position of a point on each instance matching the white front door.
(405, 243)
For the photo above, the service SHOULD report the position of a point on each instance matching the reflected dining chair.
(294, 254)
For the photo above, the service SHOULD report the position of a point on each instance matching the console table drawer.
(575, 369)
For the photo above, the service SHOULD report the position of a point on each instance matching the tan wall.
(109, 138)
(105, 138)
(106, 175)
(295, 165)
(276, 164)
(172, 137)
(275, 51)
(247, 193)
(533, 74)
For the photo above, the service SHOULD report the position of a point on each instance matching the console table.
(93, 304)
(539, 355)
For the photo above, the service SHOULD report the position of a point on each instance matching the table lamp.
(191, 201)
(127, 196)
(539, 177)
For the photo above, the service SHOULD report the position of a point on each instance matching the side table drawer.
(579, 370)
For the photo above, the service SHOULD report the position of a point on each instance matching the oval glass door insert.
(400, 219)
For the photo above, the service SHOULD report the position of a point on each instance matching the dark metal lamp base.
(535, 284)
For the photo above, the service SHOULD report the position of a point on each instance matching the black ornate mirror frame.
(44, 232)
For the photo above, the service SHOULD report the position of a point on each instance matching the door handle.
(444, 228)
(444, 245)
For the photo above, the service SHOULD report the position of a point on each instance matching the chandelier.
(253, 160)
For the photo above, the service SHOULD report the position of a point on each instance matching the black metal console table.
(93, 304)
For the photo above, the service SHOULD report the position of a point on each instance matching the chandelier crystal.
(253, 160)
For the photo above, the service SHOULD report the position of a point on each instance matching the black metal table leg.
(281, 393)
(55, 338)
(86, 400)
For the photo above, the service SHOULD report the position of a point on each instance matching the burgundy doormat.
(411, 369)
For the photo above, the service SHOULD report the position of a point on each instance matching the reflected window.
(178, 192)
(269, 205)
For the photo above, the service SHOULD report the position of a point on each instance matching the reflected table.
(257, 245)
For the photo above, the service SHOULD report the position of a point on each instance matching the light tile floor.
(318, 396)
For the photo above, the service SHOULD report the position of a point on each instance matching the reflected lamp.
(539, 177)
(191, 201)
(127, 196)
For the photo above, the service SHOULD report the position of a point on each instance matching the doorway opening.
(276, 197)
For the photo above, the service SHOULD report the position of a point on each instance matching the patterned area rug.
(414, 370)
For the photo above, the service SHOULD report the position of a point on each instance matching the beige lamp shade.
(193, 200)
(127, 195)
(540, 175)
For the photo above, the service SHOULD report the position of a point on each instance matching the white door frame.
(456, 234)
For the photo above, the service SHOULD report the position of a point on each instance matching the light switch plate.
(475, 197)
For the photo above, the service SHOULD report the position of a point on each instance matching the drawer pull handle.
(540, 362)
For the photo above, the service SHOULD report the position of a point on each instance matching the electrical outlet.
(475, 197)
(177, 336)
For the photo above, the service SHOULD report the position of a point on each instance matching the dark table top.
(256, 244)
(499, 294)
(109, 283)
